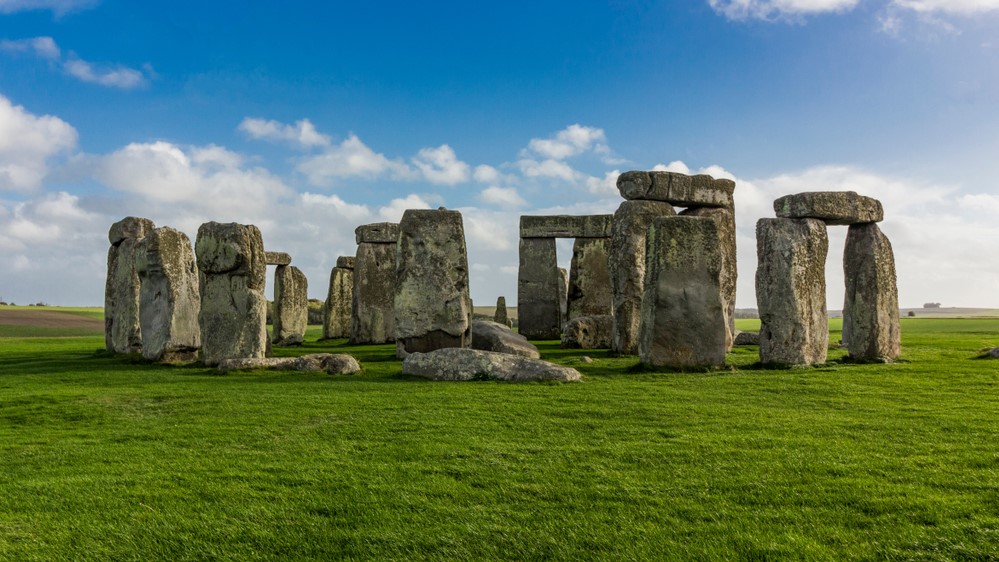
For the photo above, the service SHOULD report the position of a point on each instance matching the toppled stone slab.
(493, 336)
(462, 364)
(336, 309)
(747, 338)
(538, 282)
(169, 299)
(377, 233)
(871, 330)
(831, 207)
(589, 332)
(589, 279)
(291, 306)
(565, 226)
(277, 258)
(122, 328)
(332, 363)
(677, 189)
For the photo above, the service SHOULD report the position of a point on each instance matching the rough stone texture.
(493, 336)
(332, 363)
(277, 258)
(432, 307)
(169, 299)
(538, 282)
(589, 292)
(725, 220)
(233, 308)
(791, 291)
(462, 364)
(589, 332)
(501, 316)
(683, 314)
(122, 330)
(336, 309)
(373, 302)
(563, 299)
(377, 233)
(871, 329)
(291, 306)
(832, 207)
(626, 263)
(677, 189)
(746, 338)
(565, 226)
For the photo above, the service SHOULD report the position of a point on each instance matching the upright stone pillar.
(122, 331)
(589, 291)
(291, 306)
(791, 290)
(501, 316)
(538, 282)
(169, 298)
(563, 298)
(871, 329)
(683, 316)
(373, 303)
(626, 261)
(336, 309)
(725, 220)
(433, 309)
(233, 307)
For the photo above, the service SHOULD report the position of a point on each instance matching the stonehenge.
(500, 316)
(169, 299)
(122, 331)
(373, 298)
(589, 292)
(870, 313)
(291, 306)
(336, 309)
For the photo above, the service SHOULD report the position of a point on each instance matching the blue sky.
(309, 118)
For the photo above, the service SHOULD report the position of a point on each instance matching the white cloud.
(605, 186)
(351, 158)
(27, 142)
(59, 7)
(502, 196)
(396, 207)
(112, 76)
(486, 174)
(303, 133)
(778, 9)
(676, 166)
(571, 141)
(952, 7)
(441, 165)
(547, 169)
(43, 47)
(347, 210)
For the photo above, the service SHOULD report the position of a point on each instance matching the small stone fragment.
(589, 332)
(747, 338)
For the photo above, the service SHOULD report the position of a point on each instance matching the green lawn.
(107, 458)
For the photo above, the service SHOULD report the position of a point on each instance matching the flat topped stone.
(832, 207)
(277, 258)
(345, 262)
(566, 226)
(129, 227)
(677, 189)
(332, 363)
(463, 364)
(377, 233)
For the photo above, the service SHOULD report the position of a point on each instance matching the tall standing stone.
(433, 309)
(538, 283)
(871, 329)
(501, 316)
(169, 297)
(725, 220)
(291, 306)
(336, 309)
(589, 292)
(122, 330)
(373, 302)
(563, 298)
(683, 316)
(233, 307)
(626, 263)
(791, 290)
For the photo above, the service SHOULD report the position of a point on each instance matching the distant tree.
(931, 305)
(912, 313)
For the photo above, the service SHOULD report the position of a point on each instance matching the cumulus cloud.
(112, 76)
(441, 166)
(547, 169)
(351, 158)
(775, 9)
(58, 7)
(27, 143)
(952, 7)
(303, 133)
(396, 207)
(42, 47)
(502, 196)
(572, 141)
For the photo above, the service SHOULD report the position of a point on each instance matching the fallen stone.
(747, 338)
(538, 282)
(336, 309)
(831, 207)
(377, 233)
(871, 330)
(169, 296)
(499, 338)
(565, 226)
(463, 364)
(291, 306)
(677, 189)
(589, 332)
(589, 292)
(725, 221)
(332, 363)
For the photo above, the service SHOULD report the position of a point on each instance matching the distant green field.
(106, 458)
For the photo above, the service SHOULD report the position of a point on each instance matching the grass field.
(107, 457)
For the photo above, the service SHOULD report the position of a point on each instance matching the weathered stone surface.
(538, 282)
(746, 338)
(500, 316)
(725, 221)
(463, 364)
(832, 207)
(122, 331)
(377, 233)
(373, 301)
(169, 299)
(677, 189)
(683, 315)
(871, 329)
(345, 262)
(336, 309)
(589, 332)
(565, 226)
(291, 306)
(493, 336)
(277, 258)
(791, 291)
(432, 306)
(626, 264)
(589, 292)
(233, 307)
(129, 227)
(332, 363)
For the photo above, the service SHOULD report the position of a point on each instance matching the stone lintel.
(345, 262)
(377, 233)
(277, 258)
(566, 226)
(677, 189)
(831, 207)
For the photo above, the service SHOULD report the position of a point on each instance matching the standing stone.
(563, 298)
(538, 289)
(871, 329)
(791, 291)
(626, 263)
(725, 220)
(336, 309)
(683, 315)
(291, 306)
(373, 299)
(233, 307)
(169, 298)
(433, 309)
(589, 291)
(501, 316)
(122, 331)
